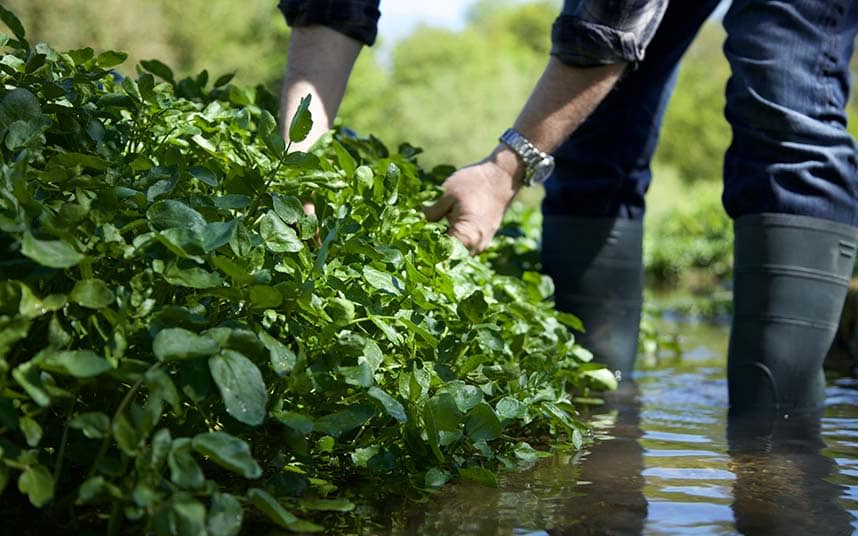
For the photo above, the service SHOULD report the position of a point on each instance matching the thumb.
(439, 208)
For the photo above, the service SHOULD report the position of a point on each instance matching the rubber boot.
(597, 269)
(790, 279)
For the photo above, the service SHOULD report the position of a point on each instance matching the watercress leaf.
(466, 396)
(269, 506)
(204, 175)
(345, 420)
(77, 363)
(185, 472)
(224, 79)
(278, 236)
(447, 414)
(296, 421)
(159, 69)
(31, 429)
(110, 58)
(192, 277)
(217, 234)
(12, 22)
(393, 407)
(229, 452)
(571, 321)
(37, 483)
(93, 424)
(601, 378)
(171, 213)
(328, 505)
(282, 358)
(50, 253)
(479, 475)
(189, 514)
(92, 293)
(510, 408)
(241, 386)
(302, 121)
(383, 281)
(225, 515)
(264, 297)
(175, 344)
(431, 428)
(436, 477)
(289, 208)
(482, 424)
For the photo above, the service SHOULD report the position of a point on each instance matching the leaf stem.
(105, 443)
(271, 176)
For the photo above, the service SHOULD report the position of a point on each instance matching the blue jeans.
(790, 151)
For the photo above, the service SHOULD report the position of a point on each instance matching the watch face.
(543, 169)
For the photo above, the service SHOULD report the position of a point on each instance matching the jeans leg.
(790, 152)
(603, 170)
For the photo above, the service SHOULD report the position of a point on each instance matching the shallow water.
(666, 460)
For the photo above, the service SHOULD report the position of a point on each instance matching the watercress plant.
(184, 351)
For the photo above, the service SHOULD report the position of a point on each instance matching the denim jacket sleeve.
(600, 32)
(357, 19)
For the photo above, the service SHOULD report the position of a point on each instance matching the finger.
(467, 235)
(439, 208)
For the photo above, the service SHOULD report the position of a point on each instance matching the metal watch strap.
(528, 153)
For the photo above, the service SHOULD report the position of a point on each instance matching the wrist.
(510, 164)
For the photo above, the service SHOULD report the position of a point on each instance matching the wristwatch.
(537, 165)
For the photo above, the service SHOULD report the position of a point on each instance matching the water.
(666, 460)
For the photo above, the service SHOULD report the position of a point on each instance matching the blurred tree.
(247, 37)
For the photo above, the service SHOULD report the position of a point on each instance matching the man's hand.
(476, 197)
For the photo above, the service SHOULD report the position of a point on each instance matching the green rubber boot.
(790, 279)
(597, 270)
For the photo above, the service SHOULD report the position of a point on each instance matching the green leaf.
(278, 236)
(289, 208)
(4, 477)
(282, 358)
(466, 396)
(510, 408)
(328, 505)
(393, 407)
(77, 363)
(436, 477)
(448, 417)
(571, 321)
(204, 175)
(269, 506)
(92, 293)
(37, 483)
(601, 378)
(185, 472)
(431, 428)
(159, 69)
(217, 234)
(31, 429)
(479, 475)
(93, 424)
(192, 277)
(296, 421)
(229, 452)
(12, 22)
(50, 253)
(482, 424)
(343, 421)
(225, 515)
(382, 280)
(241, 386)
(176, 344)
(474, 307)
(189, 515)
(110, 58)
(90, 489)
(302, 121)
(171, 213)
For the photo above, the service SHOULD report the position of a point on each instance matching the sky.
(400, 17)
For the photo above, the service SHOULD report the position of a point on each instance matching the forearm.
(319, 64)
(562, 99)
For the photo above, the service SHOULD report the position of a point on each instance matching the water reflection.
(782, 482)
